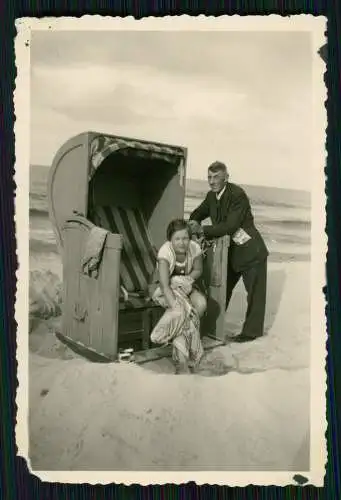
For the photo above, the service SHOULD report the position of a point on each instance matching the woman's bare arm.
(165, 283)
(197, 268)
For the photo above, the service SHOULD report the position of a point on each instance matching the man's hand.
(196, 228)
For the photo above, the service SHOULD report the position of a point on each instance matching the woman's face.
(180, 241)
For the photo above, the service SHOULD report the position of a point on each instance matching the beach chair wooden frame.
(215, 279)
(131, 189)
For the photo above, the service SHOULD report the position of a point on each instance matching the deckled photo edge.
(21, 219)
(318, 382)
(302, 22)
(22, 133)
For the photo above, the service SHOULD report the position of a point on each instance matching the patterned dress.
(179, 325)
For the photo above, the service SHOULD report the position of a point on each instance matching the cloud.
(233, 97)
(233, 55)
(138, 91)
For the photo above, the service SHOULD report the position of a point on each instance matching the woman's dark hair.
(177, 225)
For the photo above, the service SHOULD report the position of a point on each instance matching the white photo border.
(318, 449)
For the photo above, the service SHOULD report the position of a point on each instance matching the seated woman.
(179, 267)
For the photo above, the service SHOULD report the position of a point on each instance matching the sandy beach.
(249, 412)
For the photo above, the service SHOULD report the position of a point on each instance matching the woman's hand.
(192, 312)
(198, 239)
(185, 283)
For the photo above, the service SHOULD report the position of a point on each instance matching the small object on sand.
(126, 355)
(45, 295)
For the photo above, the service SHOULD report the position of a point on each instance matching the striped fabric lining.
(138, 258)
(103, 146)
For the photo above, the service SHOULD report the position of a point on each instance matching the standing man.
(229, 209)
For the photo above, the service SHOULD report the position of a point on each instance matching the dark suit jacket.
(230, 213)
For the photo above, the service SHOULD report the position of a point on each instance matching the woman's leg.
(180, 361)
(199, 302)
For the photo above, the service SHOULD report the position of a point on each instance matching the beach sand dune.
(87, 416)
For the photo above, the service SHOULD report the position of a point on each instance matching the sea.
(283, 216)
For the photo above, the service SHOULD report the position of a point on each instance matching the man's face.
(217, 180)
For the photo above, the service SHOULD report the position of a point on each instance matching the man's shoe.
(240, 339)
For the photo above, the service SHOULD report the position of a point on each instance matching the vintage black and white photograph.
(170, 215)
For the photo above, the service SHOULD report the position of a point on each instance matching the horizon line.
(302, 190)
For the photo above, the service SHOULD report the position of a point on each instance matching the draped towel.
(180, 325)
(93, 251)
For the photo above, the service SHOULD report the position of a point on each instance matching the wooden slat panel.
(93, 300)
(89, 295)
(71, 265)
(104, 312)
(213, 323)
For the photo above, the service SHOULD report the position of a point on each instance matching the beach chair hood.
(81, 157)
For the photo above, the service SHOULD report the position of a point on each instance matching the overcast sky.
(244, 98)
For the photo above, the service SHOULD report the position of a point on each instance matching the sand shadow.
(208, 323)
(43, 341)
(275, 289)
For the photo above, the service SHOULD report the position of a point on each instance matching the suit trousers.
(255, 280)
